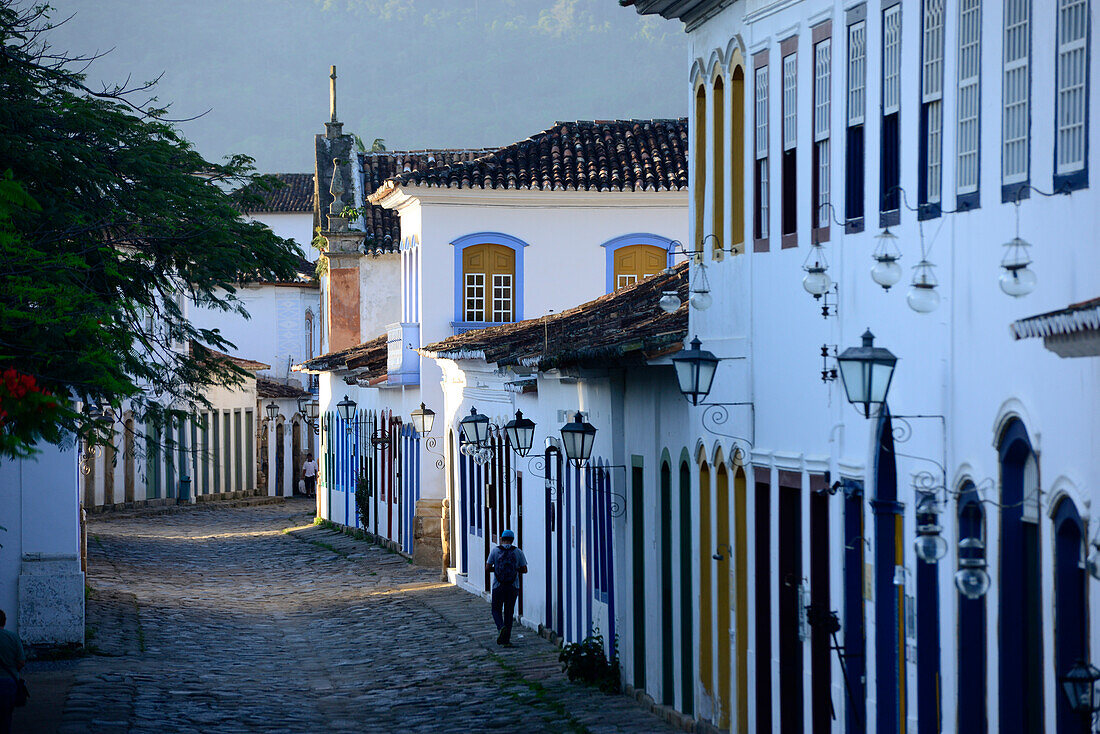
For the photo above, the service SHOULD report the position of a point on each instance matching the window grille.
(475, 297)
(970, 31)
(762, 173)
(932, 100)
(762, 112)
(790, 101)
(822, 77)
(821, 218)
(1072, 66)
(891, 60)
(1017, 91)
(625, 280)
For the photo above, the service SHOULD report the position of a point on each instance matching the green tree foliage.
(110, 222)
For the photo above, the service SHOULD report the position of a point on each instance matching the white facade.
(41, 577)
(970, 386)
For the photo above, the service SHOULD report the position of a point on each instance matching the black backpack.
(506, 567)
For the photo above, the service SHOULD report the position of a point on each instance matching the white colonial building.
(453, 240)
(798, 113)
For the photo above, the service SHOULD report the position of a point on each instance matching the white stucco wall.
(41, 582)
(297, 226)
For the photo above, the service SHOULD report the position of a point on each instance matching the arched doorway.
(890, 683)
(741, 596)
(1021, 624)
(280, 453)
(668, 692)
(1070, 607)
(295, 454)
(687, 593)
(724, 570)
(706, 601)
(972, 716)
(128, 460)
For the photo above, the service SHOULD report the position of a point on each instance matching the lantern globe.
(695, 370)
(521, 433)
(475, 428)
(866, 372)
(272, 410)
(578, 439)
(670, 301)
(971, 579)
(929, 545)
(346, 409)
(423, 419)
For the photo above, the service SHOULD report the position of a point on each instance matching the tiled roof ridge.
(602, 162)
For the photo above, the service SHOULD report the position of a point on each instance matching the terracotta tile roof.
(1083, 316)
(251, 365)
(383, 226)
(624, 327)
(368, 358)
(295, 195)
(267, 387)
(605, 155)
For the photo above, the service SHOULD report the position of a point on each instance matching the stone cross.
(332, 92)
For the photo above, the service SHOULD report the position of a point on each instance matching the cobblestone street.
(252, 619)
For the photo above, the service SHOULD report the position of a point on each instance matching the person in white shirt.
(309, 474)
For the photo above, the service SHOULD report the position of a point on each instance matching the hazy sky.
(418, 73)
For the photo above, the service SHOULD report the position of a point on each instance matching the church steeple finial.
(332, 93)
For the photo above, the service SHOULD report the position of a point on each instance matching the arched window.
(634, 257)
(488, 278)
(737, 160)
(309, 334)
(489, 283)
(718, 208)
(971, 636)
(699, 155)
(1070, 603)
(1021, 624)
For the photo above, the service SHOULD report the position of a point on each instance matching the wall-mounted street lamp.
(866, 372)
(346, 410)
(695, 370)
(578, 438)
(423, 419)
(929, 545)
(1079, 685)
(972, 579)
(474, 429)
(272, 410)
(817, 281)
(310, 409)
(886, 271)
(521, 433)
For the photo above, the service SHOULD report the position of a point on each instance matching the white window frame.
(1016, 89)
(822, 109)
(891, 60)
(932, 28)
(503, 297)
(857, 73)
(790, 101)
(761, 123)
(968, 134)
(1071, 107)
(474, 297)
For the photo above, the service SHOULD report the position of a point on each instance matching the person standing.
(309, 474)
(12, 660)
(507, 562)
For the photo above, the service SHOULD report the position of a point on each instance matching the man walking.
(506, 562)
(309, 474)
